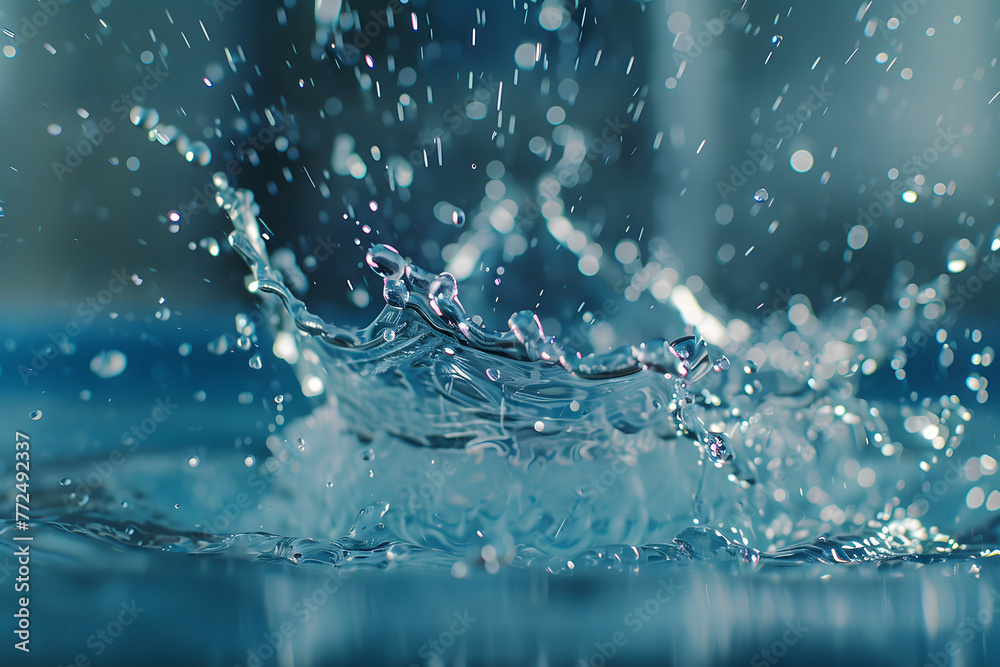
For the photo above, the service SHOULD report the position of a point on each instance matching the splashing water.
(562, 460)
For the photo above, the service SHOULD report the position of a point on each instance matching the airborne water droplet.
(256, 363)
(385, 261)
(717, 445)
(108, 363)
(760, 195)
(35, 414)
(721, 364)
(776, 40)
(749, 367)
(493, 374)
(65, 481)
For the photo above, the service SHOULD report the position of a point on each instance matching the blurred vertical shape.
(327, 17)
(690, 58)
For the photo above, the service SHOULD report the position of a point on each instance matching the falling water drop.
(760, 195)
(256, 363)
(776, 40)
(35, 414)
(65, 481)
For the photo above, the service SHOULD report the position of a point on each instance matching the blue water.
(437, 362)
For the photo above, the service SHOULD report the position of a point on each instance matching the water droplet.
(368, 454)
(750, 367)
(444, 288)
(385, 261)
(961, 255)
(279, 398)
(717, 446)
(256, 363)
(721, 364)
(388, 335)
(35, 414)
(108, 363)
(65, 481)
(493, 374)
(776, 40)
(760, 195)
(244, 343)
(458, 217)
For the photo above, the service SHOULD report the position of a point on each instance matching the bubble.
(760, 195)
(524, 56)
(389, 335)
(108, 363)
(449, 214)
(857, 237)
(801, 161)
